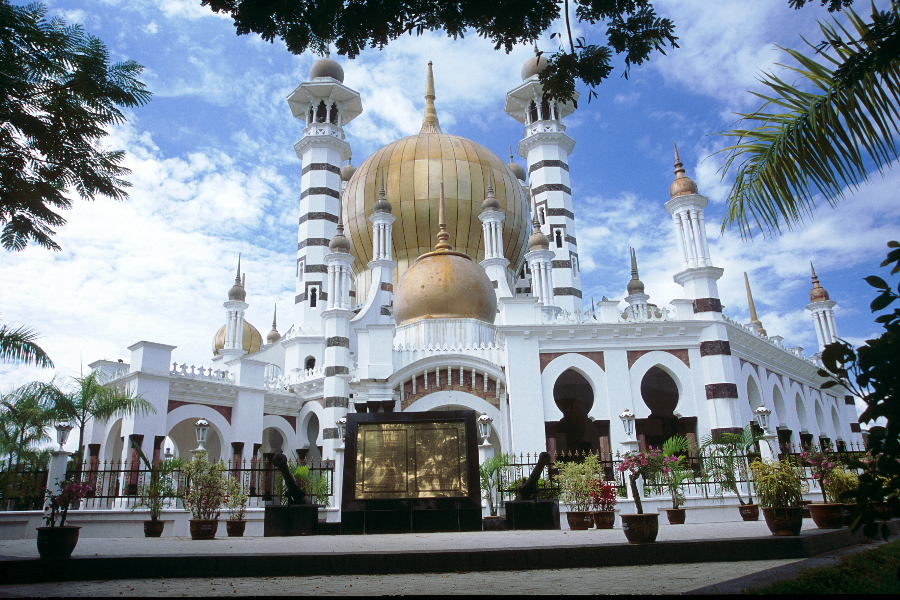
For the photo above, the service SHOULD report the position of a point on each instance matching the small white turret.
(822, 308)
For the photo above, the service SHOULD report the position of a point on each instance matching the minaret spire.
(634, 268)
(442, 236)
(754, 320)
(430, 123)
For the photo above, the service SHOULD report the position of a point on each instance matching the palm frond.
(815, 136)
(18, 346)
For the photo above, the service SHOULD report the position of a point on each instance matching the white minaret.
(546, 149)
(382, 264)
(636, 298)
(822, 309)
(326, 105)
(540, 259)
(494, 262)
(234, 318)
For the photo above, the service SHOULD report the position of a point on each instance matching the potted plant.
(157, 493)
(604, 497)
(841, 487)
(575, 479)
(489, 475)
(826, 515)
(724, 458)
(779, 488)
(675, 471)
(58, 541)
(236, 503)
(640, 528)
(204, 495)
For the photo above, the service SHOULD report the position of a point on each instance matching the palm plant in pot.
(841, 487)
(158, 492)
(724, 458)
(489, 476)
(575, 479)
(826, 515)
(204, 495)
(780, 490)
(236, 503)
(640, 528)
(675, 471)
(604, 497)
(58, 541)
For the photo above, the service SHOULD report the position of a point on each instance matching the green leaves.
(18, 346)
(58, 96)
(816, 136)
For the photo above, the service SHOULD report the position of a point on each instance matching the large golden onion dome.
(444, 284)
(414, 168)
(251, 340)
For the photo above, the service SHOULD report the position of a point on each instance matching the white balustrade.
(201, 373)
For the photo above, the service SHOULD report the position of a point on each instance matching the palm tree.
(819, 134)
(24, 415)
(89, 399)
(18, 345)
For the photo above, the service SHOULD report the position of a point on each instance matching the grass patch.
(875, 571)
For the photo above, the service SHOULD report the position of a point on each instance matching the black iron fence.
(22, 489)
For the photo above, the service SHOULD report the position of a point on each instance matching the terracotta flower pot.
(235, 528)
(784, 521)
(493, 524)
(676, 516)
(604, 519)
(827, 516)
(749, 512)
(203, 529)
(641, 529)
(57, 542)
(153, 528)
(579, 520)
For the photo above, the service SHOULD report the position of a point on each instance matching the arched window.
(334, 114)
(543, 215)
(545, 110)
(311, 116)
(310, 363)
(312, 297)
(559, 238)
(321, 112)
(532, 112)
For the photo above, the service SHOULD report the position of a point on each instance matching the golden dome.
(414, 168)
(534, 65)
(444, 284)
(538, 241)
(251, 342)
(683, 185)
(817, 293)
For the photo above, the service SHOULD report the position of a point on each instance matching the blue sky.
(214, 174)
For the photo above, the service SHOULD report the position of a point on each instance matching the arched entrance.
(575, 432)
(660, 394)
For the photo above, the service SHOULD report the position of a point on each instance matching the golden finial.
(430, 123)
(754, 320)
(683, 185)
(442, 236)
(817, 293)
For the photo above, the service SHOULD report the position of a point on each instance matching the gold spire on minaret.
(817, 293)
(683, 185)
(274, 336)
(754, 320)
(442, 236)
(430, 123)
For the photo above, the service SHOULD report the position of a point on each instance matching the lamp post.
(59, 459)
(628, 422)
(630, 444)
(62, 433)
(762, 415)
(341, 425)
(202, 427)
(484, 428)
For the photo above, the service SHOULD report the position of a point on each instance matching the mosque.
(435, 276)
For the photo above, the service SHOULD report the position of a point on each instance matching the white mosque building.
(436, 276)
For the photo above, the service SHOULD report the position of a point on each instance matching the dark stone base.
(532, 514)
(411, 516)
(282, 521)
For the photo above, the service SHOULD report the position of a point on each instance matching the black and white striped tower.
(326, 105)
(546, 148)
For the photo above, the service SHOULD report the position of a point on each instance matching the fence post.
(56, 471)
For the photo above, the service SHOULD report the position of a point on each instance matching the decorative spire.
(491, 202)
(382, 204)
(817, 293)
(537, 241)
(683, 185)
(339, 243)
(635, 286)
(754, 320)
(430, 123)
(442, 236)
(237, 291)
(515, 167)
(273, 335)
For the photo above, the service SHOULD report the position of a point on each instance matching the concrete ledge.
(421, 556)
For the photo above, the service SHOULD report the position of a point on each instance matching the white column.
(695, 222)
(688, 238)
(819, 331)
(679, 235)
(703, 241)
(834, 332)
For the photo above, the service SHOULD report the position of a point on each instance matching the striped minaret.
(326, 105)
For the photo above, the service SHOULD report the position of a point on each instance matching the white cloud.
(152, 28)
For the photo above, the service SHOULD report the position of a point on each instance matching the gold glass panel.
(411, 460)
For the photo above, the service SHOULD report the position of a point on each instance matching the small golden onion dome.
(325, 67)
(490, 201)
(534, 65)
(339, 243)
(237, 291)
(517, 169)
(382, 204)
(683, 185)
(444, 284)
(273, 335)
(817, 293)
(347, 172)
(635, 286)
(251, 340)
(538, 241)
